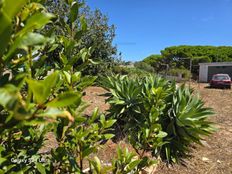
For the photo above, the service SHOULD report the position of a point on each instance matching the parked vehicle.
(221, 80)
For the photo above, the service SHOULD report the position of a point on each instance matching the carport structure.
(207, 70)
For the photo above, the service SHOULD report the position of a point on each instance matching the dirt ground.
(215, 157)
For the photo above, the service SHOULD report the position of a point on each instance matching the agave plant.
(158, 116)
(186, 121)
(125, 100)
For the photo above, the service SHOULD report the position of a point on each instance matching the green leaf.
(8, 96)
(37, 89)
(23, 42)
(9, 10)
(108, 136)
(161, 134)
(36, 21)
(65, 99)
(12, 7)
(50, 82)
(88, 151)
(78, 35)
(132, 165)
(83, 23)
(2, 160)
(109, 123)
(24, 14)
(67, 77)
(20, 113)
(74, 12)
(97, 165)
(144, 162)
(40, 168)
(168, 153)
(74, 59)
(103, 120)
(76, 77)
(5, 32)
(94, 116)
(63, 58)
(54, 113)
(41, 89)
(85, 82)
(119, 153)
(69, 1)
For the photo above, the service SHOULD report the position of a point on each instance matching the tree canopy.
(212, 53)
(180, 56)
(156, 61)
(99, 34)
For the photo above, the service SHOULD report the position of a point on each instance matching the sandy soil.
(95, 97)
(215, 157)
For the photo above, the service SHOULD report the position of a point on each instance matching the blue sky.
(144, 27)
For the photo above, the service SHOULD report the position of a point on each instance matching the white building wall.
(203, 70)
(203, 73)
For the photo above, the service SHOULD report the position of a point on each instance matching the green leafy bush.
(184, 73)
(130, 71)
(157, 116)
(78, 141)
(157, 62)
(128, 162)
(99, 36)
(35, 101)
(144, 66)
